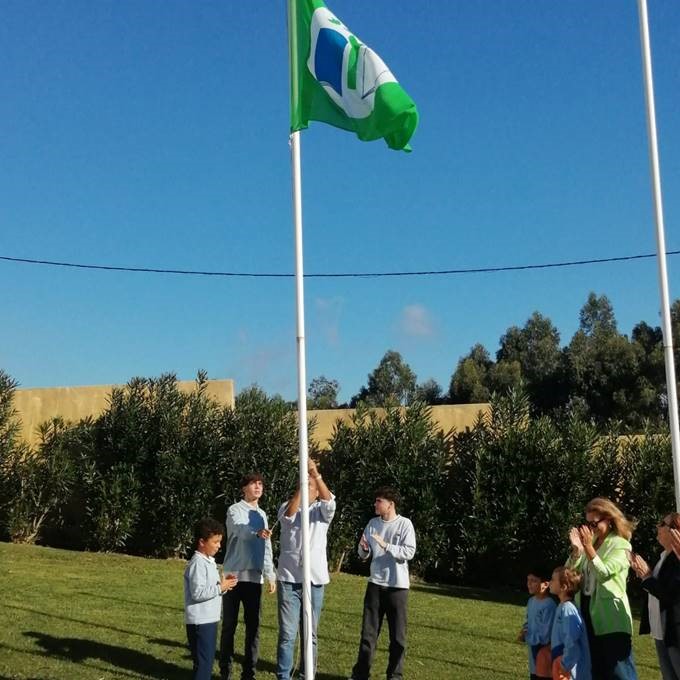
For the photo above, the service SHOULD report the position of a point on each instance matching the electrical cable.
(327, 275)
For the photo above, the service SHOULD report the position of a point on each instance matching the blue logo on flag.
(330, 48)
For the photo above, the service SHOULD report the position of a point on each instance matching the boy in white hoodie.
(203, 589)
(389, 539)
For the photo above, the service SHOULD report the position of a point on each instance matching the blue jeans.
(202, 644)
(289, 597)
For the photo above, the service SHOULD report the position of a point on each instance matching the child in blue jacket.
(538, 623)
(569, 639)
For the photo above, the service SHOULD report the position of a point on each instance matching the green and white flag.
(338, 80)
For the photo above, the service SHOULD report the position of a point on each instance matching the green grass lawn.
(72, 616)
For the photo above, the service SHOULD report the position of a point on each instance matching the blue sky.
(155, 133)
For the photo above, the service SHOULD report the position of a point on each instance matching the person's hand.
(271, 589)
(522, 635)
(675, 542)
(312, 469)
(575, 540)
(363, 543)
(264, 533)
(379, 540)
(586, 535)
(228, 582)
(640, 567)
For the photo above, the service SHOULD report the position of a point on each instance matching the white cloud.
(269, 363)
(329, 311)
(416, 321)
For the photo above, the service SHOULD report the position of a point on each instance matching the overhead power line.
(338, 275)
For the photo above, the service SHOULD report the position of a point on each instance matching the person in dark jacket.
(660, 615)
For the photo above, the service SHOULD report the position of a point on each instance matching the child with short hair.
(569, 638)
(203, 589)
(538, 623)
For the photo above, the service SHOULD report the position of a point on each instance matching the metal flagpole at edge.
(303, 452)
(661, 248)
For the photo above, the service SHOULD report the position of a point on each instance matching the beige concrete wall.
(36, 405)
(456, 416)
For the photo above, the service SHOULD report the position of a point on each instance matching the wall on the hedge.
(36, 405)
(447, 417)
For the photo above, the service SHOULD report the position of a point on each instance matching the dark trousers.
(611, 655)
(380, 602)
(669, 660)
(250, 595)
(202, 639)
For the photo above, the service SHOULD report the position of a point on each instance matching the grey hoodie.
(246, 551)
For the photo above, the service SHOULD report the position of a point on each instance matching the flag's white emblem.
(349, 72)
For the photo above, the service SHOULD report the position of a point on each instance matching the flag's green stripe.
(353, 60)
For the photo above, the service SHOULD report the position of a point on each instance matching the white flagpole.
(302, 405)
(661, 249)
(307, 652)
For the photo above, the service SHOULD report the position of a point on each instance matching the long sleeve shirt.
(569, 640)
(202, 591)
(389, 566)
(290, 558)
(537, 625)
(247, 555)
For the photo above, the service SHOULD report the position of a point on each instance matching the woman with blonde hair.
(599, 552)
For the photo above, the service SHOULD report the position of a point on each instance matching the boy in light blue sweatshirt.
(538, 623)
(203, 589)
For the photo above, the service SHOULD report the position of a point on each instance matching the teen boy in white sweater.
(389, 539)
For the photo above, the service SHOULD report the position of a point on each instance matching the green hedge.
(486, 503)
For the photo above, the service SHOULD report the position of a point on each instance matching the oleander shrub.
(398, 447)
(11, 445)
(38, 481)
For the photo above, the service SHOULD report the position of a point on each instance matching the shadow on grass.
(89, 624)
(515, 597)
(269, 667)
(124, 600)
(167, 643)
(494, 671)
(79, 650)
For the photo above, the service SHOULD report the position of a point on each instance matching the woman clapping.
(599, 552)
(661, 614)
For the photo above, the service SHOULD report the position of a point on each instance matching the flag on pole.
(338, 80)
